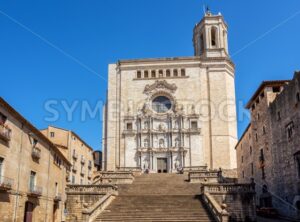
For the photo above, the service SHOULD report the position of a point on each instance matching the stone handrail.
(194, 168)
(221, 215)
(90, 189)
(118, 177)
(227, 188)
(90, 214)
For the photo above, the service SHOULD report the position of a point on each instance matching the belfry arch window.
(214, 36)
(201, 43)
(161, 104)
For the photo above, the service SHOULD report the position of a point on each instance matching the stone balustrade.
(219, 212)
(86, 202)
(204, 176)
(90, 189)
(118, 177)
(227, 188)
(90, 214)
(194, 168)
(230, 202)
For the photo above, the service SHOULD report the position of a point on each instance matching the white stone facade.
(166, 114)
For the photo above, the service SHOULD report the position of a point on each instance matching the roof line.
(22, 119)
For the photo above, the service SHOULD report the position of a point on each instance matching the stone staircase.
(157, 197)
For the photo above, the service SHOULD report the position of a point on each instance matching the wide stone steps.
(157, 197)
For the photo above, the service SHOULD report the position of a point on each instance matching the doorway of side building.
(28, 211)
(55, 208)
(162, 165)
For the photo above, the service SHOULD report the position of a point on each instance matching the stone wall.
(81, 198)
(274, 132)
(24, 152)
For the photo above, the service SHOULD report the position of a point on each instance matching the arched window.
(139, 74)
(214, 36)
(146, 74)
(201, 43)
(182, 72)
(153, 74)
(160, 73)
(168, 73)
(175, 72)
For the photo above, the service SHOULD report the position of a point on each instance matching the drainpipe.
(18, 179)
(47, 196)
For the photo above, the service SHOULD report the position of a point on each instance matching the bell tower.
(210, 36)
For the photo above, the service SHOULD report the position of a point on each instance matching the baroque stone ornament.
(160, 84)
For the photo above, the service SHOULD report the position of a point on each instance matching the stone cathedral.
(166, 114)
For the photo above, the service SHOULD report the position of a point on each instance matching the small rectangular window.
(194, 125)
(243, 174)
(298, 97)
(252, 169)
(276, 89)
(1, 165)
(73, 179)
(3, 119)
(34, 142)
(290, 129)
(297, 158)
(278, 116)
(129, 126)
(32, 180)
(52, 134)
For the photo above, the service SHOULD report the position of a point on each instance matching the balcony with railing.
(6, 183)
(36, 153)
(75, 156)
(74, 168)
(58, 197)
(68, 177)
(82, 160)
(35, 191)
(5, 132)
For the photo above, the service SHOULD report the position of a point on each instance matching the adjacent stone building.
(33, 171)
(166, 114)
(98, 160)
(76, 150)
(269, 150)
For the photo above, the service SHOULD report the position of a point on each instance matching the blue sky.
(56, 50)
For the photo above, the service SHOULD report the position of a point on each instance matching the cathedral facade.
(166, 114)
